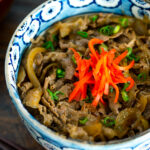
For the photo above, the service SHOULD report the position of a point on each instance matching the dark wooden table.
(11, 126)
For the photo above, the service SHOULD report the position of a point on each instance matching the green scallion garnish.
(83, 120)
(73, 59)
(104, 46)
(125, 96)
(51, 94)
(94, 18)
(131, 56)
(54, 95)
(124, 22)
(136, 59)
(108, 121)
(107, 30)
(49, 45)
(129, 51)
(83, 34)
(125, 86)
(124, 93)
(116, 29)
(142, 76)
(60, 73)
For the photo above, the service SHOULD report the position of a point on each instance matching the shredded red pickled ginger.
(99, 73)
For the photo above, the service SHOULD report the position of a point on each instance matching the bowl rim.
(47, 132)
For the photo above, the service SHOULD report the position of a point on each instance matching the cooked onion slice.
(29, 66)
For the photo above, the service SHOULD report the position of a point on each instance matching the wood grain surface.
(11, 126)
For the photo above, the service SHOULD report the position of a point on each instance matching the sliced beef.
(66, 90)
(50, 80)
(104, 19)
(51, 108)
(65, 61)
(25, 87)
(47, 118)
(67, 64)
(54, 56)
(102, 109)
(68, 114)
(32, 98)
(113, 106)
(38, 42)
(81, 44)
(146, 112)
(58, 84)
(66, 44)
(65, 117)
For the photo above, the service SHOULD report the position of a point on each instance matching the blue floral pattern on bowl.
(108, 3)
(38, 21)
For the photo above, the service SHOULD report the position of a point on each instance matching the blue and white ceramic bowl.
(34, 24)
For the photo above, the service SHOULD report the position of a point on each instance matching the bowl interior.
(37, 22)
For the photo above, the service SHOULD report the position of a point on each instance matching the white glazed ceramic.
(35, 23)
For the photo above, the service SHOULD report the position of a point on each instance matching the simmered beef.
(70, 84)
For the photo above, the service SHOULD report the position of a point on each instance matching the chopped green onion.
(132, 57)
(125, 86)
(60, 73)
(54, 95)
(111, 89)
(109, 121)
(83, 34)
(107, 30)
(116, 29)
(51, 94)
(58, 92)
(141, 76)
(48, 45)
(104, 46)
(73, 59)
(94, 18)
(136, 59)
(129, 51)
(125, 96)
(83, 121)
(124, 93)
(124, 22)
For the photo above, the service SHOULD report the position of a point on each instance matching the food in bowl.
(88, 77)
